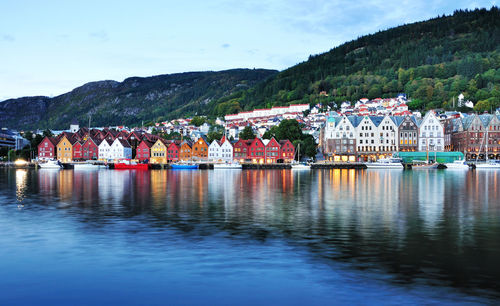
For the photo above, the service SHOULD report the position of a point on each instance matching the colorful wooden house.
(240, 150)
(186, 150)
(159, 152)
(77, 151)
(200, 149)
(143, 151)
(47, 148)
(287, 151)
(65, 147)
(272, 149)
(173, 151)
(90, 149)
(256, 151)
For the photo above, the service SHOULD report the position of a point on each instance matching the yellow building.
(65, 148)
(159, 152)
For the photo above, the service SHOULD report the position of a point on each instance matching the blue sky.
(50, 47)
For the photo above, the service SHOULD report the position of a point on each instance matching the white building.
(220, 150)
(104, 150)
(431, 133)
(120, 148)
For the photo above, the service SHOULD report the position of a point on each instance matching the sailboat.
(489, 164)
(298, 165)
(424, 164)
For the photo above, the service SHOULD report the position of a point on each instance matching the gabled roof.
(467, 121)
(148, 143)
(355, 120)
(124, 143)
(397, 120)
(485, 119)
(376, 119)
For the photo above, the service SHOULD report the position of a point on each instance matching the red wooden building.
(240, 150)
(143, 151)
(272, 151)
(47, 148)
(77, 151)
(256, 151)
(287, 151)
(173, 151)
(90, 149)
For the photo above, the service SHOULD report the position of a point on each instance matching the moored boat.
(88, 166)
(423, 165)
(184, 166)
(457, 164)
(385, 163)
(51, 164)
(127, 164)
(491, 164)
(222, 166)
(301, 166)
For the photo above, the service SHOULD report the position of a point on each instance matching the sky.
(50, 47)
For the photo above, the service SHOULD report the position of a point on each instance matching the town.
(367, 130)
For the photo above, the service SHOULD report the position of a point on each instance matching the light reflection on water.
(311, 236)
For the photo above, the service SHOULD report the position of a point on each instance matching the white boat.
(301, 166)
(297, 165)
(491, 164)
(457, 164)
(385, 163)
(423, 165)
(51, 164)
(224, 166)
(88, 166)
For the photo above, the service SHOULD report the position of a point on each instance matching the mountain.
(131, 101)
(432, 61)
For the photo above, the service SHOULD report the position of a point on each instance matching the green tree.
(247, 133)
(197, 120)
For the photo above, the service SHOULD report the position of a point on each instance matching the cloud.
(225, 46)
(101, 36)
(7, 38)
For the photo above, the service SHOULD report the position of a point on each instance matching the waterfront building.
(120, 148)
(173, 151)
(256, 151)
(388, 136)
(143, 150)
(408, 134)
(159, 152)
(65, 147)
(220, 150)
(47, 148)
(431, 133)
(90, 149)
(186, 150)
(240, 150)
(105, 150)
(287, 151)
(214, 150)
(340, 138)
(200, 149)
(77, 150)
(272, 150)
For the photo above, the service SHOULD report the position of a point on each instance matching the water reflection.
(439, 226)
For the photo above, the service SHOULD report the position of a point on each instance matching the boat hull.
(227, 166)
(383, 166)
(495, 166)
(184, 167)
(120, 166)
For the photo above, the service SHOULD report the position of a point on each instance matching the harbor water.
(265, 237)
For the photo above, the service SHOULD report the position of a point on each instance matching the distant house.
(159, 152)
(256, 151)
(77, 151)
(105, 150)
(220, 150)
(431, 134)
(408, 134)
(65, 147)
(240, 150)
(47, 148)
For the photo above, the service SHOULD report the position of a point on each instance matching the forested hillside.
(432, 61)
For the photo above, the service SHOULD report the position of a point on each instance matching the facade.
(214, 150)
(159, 152)
(287, 151)
(340, 138)
(200, 149)
(143, 150)
(240, 150)
(47, 148)
(220, 150)
(90, 149)
(186, 149)
(105, 150)
(65, 148)
(173, 151)
(120, 148)
(256, 151)
(272, 151)
(77, 151)
(431, 134)
(408, 134)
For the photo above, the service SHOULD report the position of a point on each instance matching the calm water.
(249, 237)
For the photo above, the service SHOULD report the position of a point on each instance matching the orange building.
(186, 148)
(200, 149)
